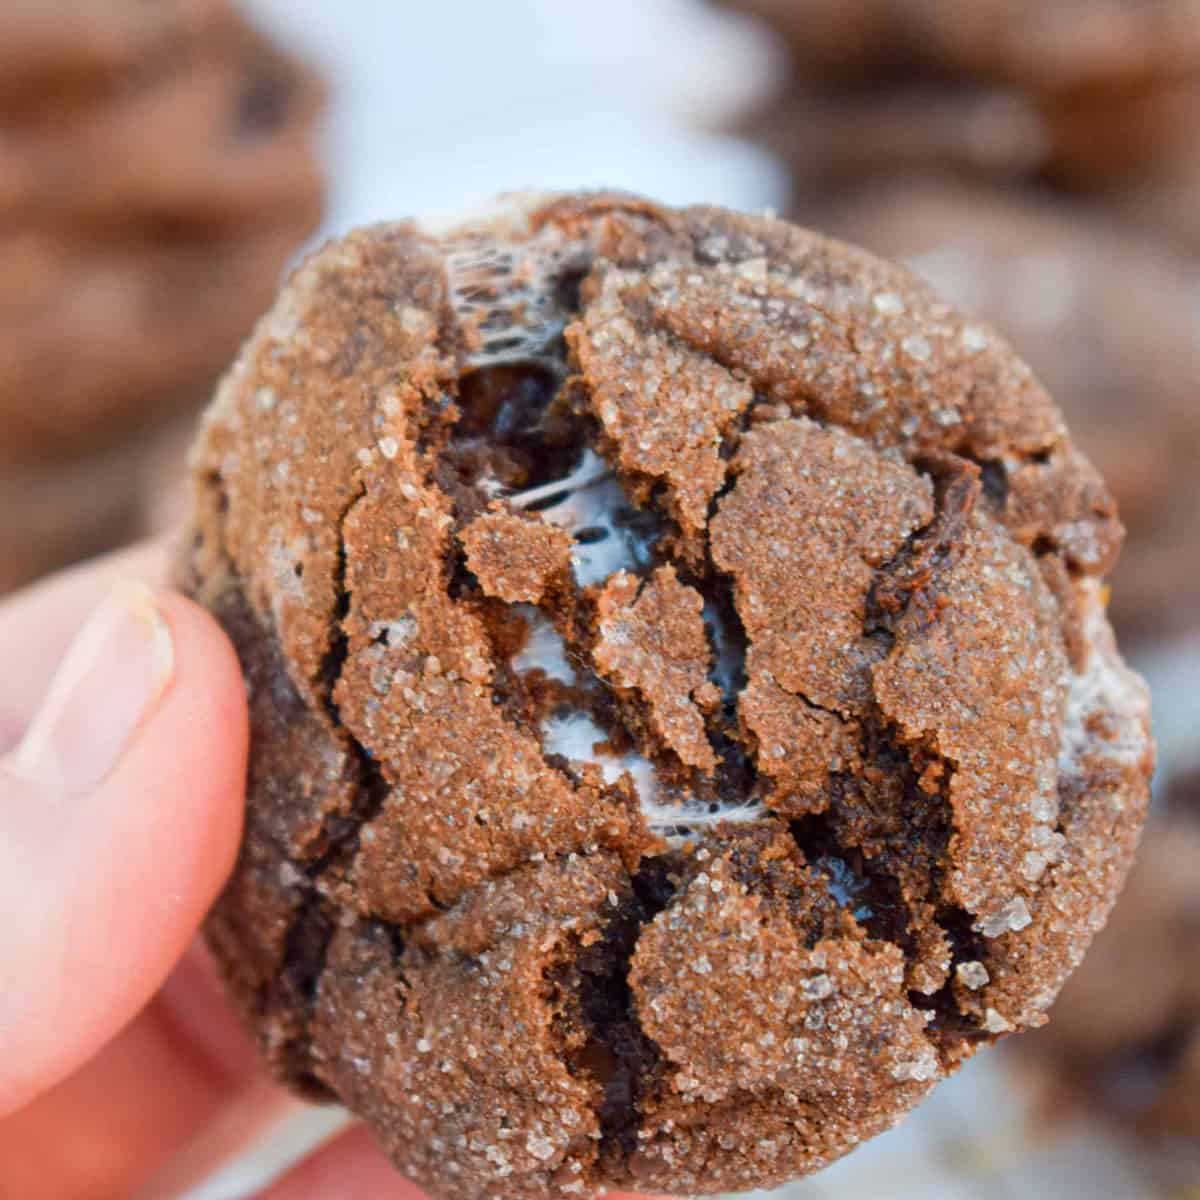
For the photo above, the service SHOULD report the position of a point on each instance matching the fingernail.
(111, 678)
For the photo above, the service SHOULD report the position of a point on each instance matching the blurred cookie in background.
(1055, 46)
(1039, 44)
(1168, 204)
(60, 514)
(1124, 1033)
(217, 133)
(1127, 148)
(831, 139)
(1106, 317)
(840, 41)
(164, 495)
(1108, 139)
(73, 46)
(100, 341)
(158, 168)
(1089, 94)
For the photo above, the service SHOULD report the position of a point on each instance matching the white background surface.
(439, 106)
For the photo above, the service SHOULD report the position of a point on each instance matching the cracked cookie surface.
(685, 722)
(1102, 314)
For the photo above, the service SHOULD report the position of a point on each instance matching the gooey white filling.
(507, 292)
(591, 499)
(544, 648)
(575, 735)
(592, 506)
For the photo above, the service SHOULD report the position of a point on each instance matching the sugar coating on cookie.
(685, 723)
(1102, 313)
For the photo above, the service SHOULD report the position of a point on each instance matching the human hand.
(123, 738)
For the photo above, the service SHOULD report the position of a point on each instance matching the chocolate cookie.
(685, 724)
(840, 40)
(158, 168)
(1105, 316)
(1107, 139)
(1087, 95)
(224, 135)
(73, 46)
(60, 514)
(1043, 45)
(1108, 144)
(101, 341)
(1057, 45)
(1167, 205)
(833, 139)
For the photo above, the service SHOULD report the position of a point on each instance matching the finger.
(350, 1168)
(249, 1125)
(119, 819)
(37, 623)
(201, 1018)
(159, 1092)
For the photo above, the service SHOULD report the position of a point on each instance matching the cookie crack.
(907, 577)
(566, 479)
(905, 583)
(340, 832)
(863, 866)
(334, 658)
(993, 466)
(526, 705)
(306, 946)
(858, 846)
(617, 1054)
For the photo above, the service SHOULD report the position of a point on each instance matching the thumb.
(119, 819)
